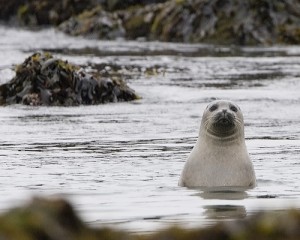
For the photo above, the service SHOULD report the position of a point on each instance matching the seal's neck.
(222, 138)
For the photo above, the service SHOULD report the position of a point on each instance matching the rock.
(53, 219)
(236, 22)
(56, 219)
(113, 5)
(239, 22)
(95, 23)
(47, 12)
(44, 80)
(42, 12)
(138, 22)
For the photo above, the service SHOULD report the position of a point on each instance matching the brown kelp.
(45, 80)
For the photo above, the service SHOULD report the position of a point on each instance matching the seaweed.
(45, 80)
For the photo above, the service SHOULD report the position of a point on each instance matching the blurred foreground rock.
(56, 220)
(45, 80)
(49, 220)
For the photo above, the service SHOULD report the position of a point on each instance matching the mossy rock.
(113, 5)
(238, 22)
(42, 12)
(44, 80)
(95, 23)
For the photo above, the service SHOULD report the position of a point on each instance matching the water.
(119, 164)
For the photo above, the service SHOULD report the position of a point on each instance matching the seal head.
(222, 119)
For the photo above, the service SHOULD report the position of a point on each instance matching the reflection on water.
(225, 212)
(120, 163)
(230, 211)
(225, 193)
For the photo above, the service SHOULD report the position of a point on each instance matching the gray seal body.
(219, 157)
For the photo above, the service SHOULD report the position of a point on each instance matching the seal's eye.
(213, 108)
(233, 108)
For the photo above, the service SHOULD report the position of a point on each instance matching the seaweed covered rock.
(238, 22)
(225, 22)
(96, 23)
(229, 22)
(113, 5)
(9, 8)
(55, 219)
(42, 12)
(44, 80)
(130, 23)
(138, 22)
(48, 12)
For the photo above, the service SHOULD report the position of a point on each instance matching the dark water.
(119, 164)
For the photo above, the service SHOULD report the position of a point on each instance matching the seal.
(219, 157)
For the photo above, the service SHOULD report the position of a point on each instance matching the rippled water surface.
(119, 164)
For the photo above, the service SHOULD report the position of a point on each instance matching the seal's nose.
(224, 111)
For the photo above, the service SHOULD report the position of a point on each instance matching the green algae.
(22, 10)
